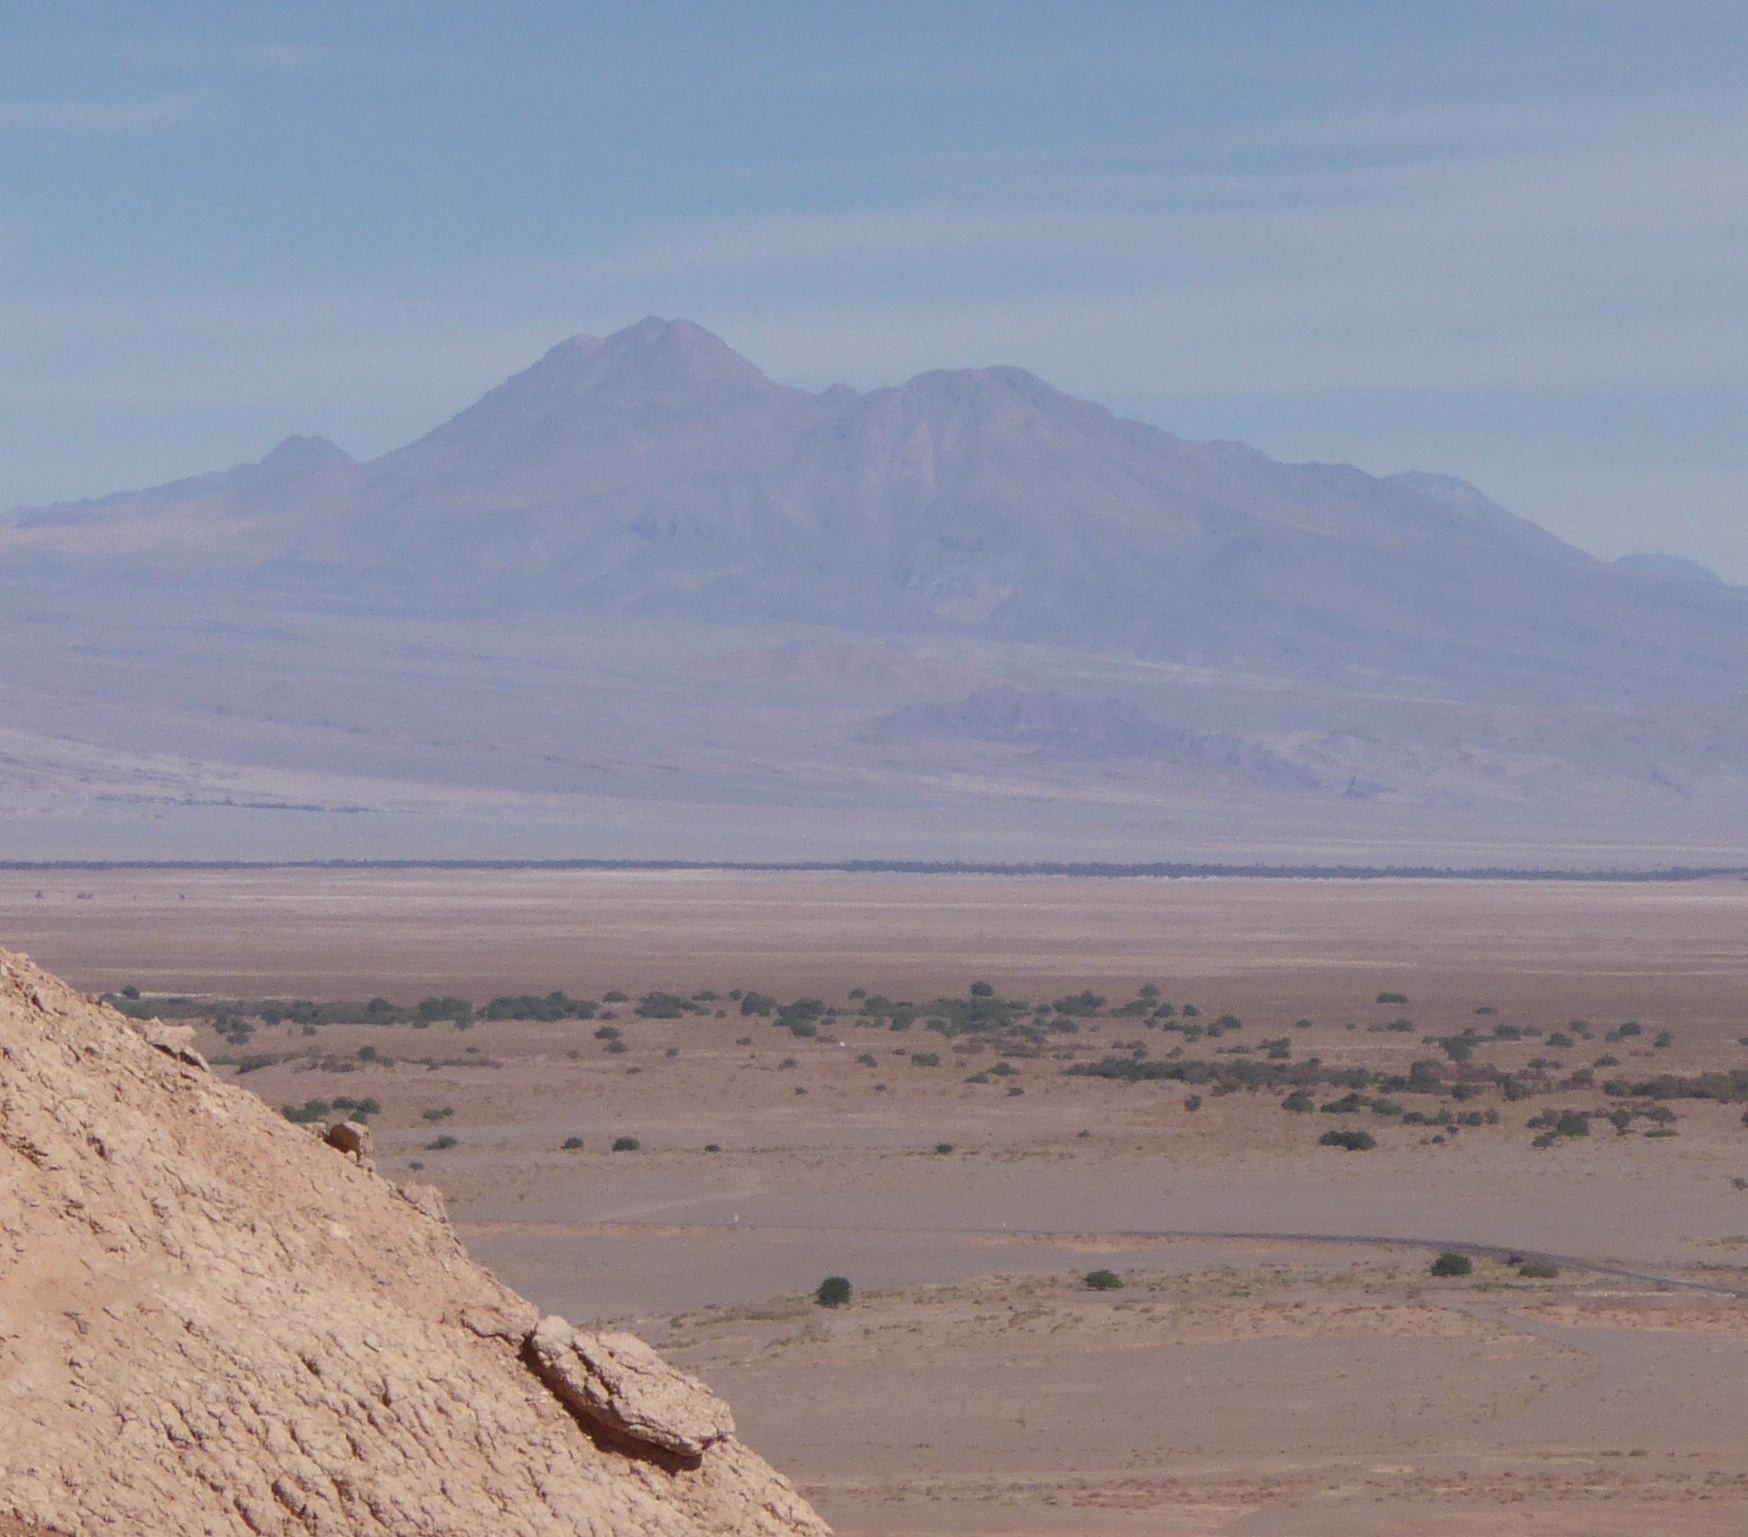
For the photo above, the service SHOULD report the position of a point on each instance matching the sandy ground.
(1293, 1380)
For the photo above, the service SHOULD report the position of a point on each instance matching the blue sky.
(1506, 241)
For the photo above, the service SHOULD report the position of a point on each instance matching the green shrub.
(925, 1059)
(834, 1291)
(308, 1113)
(570, 1144)
(1538, 1270)
(1299, 1102)
(626, 1144)
(441, 1144)
(1191, 1102)
(440, 1115)
(1453, 1264)
(1102, 1281)
(1349, 1141)
(1392, 997)
(943, 1147)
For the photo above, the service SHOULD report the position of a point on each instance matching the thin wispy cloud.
(75, 116)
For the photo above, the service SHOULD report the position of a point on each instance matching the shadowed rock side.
(212, 1321)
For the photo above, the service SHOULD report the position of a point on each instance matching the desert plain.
(1279, 1357)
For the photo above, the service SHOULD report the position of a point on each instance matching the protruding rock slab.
(617, 1382)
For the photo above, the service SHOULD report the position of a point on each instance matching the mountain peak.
(293, 454)
(654, 352)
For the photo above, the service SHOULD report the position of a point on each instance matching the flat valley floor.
(1278, 1360)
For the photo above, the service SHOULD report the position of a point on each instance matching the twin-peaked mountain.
(657, 472)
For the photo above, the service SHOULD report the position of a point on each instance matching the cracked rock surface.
(213, 1323)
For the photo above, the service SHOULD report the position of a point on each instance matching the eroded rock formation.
(212, 1321)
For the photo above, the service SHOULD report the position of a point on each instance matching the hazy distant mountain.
(642, 599)
(1677, 566)
(657, 471)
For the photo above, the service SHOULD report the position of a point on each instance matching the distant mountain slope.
(657, 471)
(1678, 566)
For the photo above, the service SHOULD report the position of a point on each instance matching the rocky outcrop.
(621, 1386)
(213, 1322)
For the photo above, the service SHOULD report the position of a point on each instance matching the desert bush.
(548, 1007)
(1346, 1105)
(1538, 1270)
(626, 1144)
(1192, 1101)
(1450, 1264)
(1392, 997)
(834, 1291)
(1298, 1102)
(982, 990)
(358, 1109)
(1560, 1039)
(1102, 1281)
(570, 1144)
(1401, 1026)
(925, 1059)
(607, 1033)
(867, 1059)
(943, 1147)
(308, 1113)
(1349, 1141)
(442, 1144)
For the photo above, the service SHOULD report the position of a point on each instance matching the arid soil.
(1279, 1358)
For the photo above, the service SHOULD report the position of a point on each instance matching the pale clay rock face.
(619, 1384)
(211, 1323)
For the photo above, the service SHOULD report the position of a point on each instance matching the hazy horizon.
(1504, 245)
